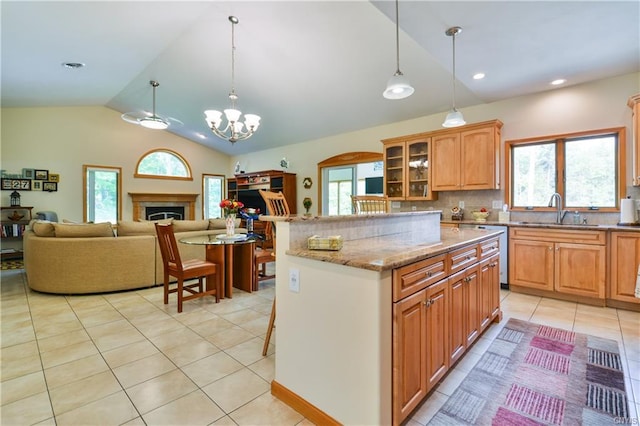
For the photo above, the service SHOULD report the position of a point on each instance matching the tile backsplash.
(475, 200)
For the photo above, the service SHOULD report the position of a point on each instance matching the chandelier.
(234, 130)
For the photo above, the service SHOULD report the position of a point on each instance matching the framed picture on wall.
(41, 174)
(50, 186)
(28, 173)
(36, 185)
(54, 177)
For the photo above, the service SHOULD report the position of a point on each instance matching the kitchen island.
(337, 310)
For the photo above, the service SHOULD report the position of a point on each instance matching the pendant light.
(235, 129)
(398, 86)
(454, 118)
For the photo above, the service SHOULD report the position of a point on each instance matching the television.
(373, 185)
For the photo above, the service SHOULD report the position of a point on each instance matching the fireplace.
(164, 212)
(163, 205)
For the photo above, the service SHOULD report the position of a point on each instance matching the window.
(212, 193)
(102, 193)
(586, 169)
(163, 164)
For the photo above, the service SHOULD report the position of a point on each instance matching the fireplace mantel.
(142, 199)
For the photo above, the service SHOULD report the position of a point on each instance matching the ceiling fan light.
(454, 119)
(398, 87)
(155, 123)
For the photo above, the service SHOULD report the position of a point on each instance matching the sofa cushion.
(190, 225)
(43, 228)
(221, 224)
(78, 230)
(126, 228)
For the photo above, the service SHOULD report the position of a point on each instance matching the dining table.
(235, 256)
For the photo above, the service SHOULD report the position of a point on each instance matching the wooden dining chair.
(366, 204)
(186, 270)
(276, 206)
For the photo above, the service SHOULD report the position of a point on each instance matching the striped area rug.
(538, 375)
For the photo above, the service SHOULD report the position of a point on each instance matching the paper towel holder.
(629, 213)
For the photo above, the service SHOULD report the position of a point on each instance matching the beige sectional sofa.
(94, 258)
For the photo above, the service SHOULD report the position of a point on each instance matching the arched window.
(163, 164)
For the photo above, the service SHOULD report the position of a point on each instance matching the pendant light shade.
(398, 86)
(454, 118)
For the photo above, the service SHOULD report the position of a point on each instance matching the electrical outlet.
(461, 204)
(395, 204)
(413, 208)
(496, 204)
(294, 280)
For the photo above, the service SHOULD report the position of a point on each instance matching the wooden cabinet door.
(409, 354)
(446, 162)
(437, 333)
(485, 298)
(457, 336)
(479, 159)
(394, 170)
(495, 286)
(531, 264)
(580, 269)
(625, 261)
(471, 291)
(418, 166)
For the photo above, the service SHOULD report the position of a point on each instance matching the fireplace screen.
(164, 212)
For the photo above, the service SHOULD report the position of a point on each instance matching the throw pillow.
(126, 228)
(190, 225)
(221, 223)
(43, 228)
(77, 230)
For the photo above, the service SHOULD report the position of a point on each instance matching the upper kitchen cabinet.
(407, 168)
(634, 104)
(466, 158)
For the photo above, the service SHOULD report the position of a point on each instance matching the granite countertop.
(393, 251)
(548, 225)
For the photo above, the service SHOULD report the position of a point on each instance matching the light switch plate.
(294, 280)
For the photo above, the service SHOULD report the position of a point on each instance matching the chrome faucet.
(559, 212)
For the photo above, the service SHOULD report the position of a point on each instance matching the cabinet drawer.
(559, 235)
(461, 258)
(411, 278)
(489, 248)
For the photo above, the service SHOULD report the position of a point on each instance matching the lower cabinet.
(434, 326)
(625, 261)
(490, 292)
(560, 261)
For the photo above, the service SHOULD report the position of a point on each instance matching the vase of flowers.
(230, 210)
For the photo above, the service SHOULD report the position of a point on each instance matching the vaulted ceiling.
(309, 68)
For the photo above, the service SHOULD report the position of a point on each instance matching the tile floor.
(125, 358)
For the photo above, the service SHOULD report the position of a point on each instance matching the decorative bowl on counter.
(480, 216)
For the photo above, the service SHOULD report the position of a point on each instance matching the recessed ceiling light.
(478, 76)
(73, 65)
(558, 82)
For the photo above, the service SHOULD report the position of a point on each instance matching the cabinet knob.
(468, 257)
(550, 248)
(426, 303)
(429, 274)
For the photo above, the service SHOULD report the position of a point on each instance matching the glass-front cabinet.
(394, 170)
(407, 175)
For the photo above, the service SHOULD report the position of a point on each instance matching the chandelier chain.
(397, 41)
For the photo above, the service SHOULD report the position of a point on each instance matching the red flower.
(231, 206)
